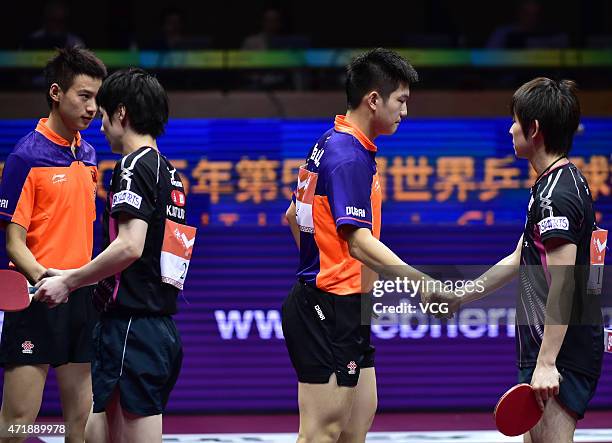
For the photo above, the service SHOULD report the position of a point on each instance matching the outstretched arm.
(121, 253)
(498, 276)
(370, 251)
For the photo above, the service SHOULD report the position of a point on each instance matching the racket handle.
(31, 291)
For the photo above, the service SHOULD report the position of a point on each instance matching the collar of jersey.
(54, 137)
(342, 125)
(550, 171)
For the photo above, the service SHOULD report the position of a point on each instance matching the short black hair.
(144, 98)
(67, 64)
(380, 70)
(554, 105)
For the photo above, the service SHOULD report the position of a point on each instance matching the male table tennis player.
(142, 268)
(562, 363)
(336, 220)
(47, 203)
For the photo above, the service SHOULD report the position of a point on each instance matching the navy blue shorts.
(54, 336)
(140, 355)
(575, 391)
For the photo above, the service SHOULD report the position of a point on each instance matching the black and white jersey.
(146, 186)
(560, 207)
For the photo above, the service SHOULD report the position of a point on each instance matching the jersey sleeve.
(134, 190)
(561, 216)
(349, 189)
(16, 192)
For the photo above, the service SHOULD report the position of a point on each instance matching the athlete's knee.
(19, 413)
(328, 433)
(323, 432)
(357, 429)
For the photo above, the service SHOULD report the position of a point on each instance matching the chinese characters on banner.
(404, 179)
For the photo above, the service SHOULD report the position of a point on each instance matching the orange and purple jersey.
(51, 193)
(337, 186)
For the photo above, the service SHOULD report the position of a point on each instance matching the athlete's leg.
(96, 430)
(555, 425)
(325, 410)
(125, 427)
(74, 381)
(139, 429)
(22, 395)
(363, 410)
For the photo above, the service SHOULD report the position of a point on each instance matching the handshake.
(447, 302)
(52, 287)
(437, 298)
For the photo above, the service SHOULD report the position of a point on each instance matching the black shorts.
(324, 335)
(54, 336)
(142, 356)
(575, 390)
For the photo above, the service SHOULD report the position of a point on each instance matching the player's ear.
(121, 113)
(535, 129)
(372, 99)
(55, 92)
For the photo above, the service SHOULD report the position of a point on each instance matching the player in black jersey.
(559, 332)
(142, 268)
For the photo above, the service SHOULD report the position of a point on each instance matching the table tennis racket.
(517, 411)
(16, 293)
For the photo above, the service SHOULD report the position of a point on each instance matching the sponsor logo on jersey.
(352, 367)
(27, 347)
(127, 197)
(173, 211)
(178, 198)
(316, 155)
(173, 181)
(59, 178)
(4, 203)
(319, 312)
(357, 212)
(553, 223)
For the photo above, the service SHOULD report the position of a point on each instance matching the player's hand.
(441, 297)
(50, 272)
(545, 383)
(52, 290)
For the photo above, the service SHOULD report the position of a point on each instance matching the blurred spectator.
(173, 35)
(54, 33)
(272, 35)
(271, 24)
(528, 31)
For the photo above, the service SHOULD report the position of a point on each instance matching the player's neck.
(362, 122)
(133, 142)
(56, 124)
(542, 160)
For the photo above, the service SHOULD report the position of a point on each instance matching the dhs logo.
(357, 212)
